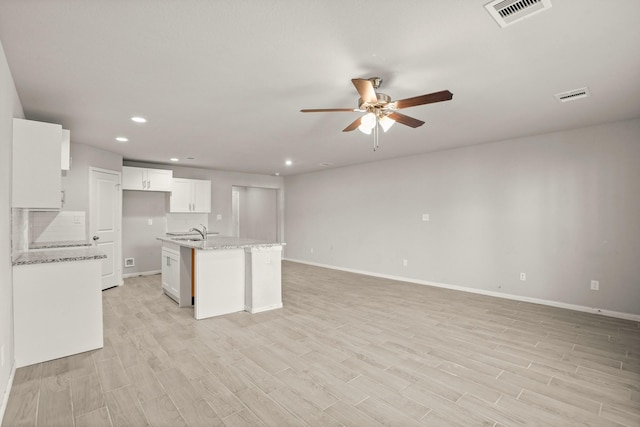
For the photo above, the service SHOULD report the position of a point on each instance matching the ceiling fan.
(380, 110)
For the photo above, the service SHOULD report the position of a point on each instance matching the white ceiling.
(223, 81)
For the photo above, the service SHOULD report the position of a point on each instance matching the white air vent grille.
(507, 12)
(572, 95)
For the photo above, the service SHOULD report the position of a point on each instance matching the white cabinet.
(146, 179)
(37, 151)
(171, 271)
(190, 195)
(57, 310)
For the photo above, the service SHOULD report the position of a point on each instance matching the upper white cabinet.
(190, 195)
(37, 152)
(146, 179)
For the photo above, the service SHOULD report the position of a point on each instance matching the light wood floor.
(346, 350)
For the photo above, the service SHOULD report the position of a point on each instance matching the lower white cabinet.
(57, 310)
(171, 271)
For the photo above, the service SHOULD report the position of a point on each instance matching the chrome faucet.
(203, 233)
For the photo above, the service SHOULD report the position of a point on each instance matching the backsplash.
(185, 221)
(57, 226)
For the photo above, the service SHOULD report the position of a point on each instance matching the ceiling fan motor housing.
(384, 101)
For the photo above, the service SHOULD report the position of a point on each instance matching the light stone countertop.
(57, 255)
(60, 244)
(220, 243)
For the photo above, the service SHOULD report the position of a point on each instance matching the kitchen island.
(222, 274)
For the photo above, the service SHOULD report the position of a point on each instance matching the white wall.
(138, 237)
(76, 181)
(258, 213)
(139, 240)
(10, 107)
(564, 208)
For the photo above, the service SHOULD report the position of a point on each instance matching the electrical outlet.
(405, 262)
(595, 285)
(523, 276)
(149, 221)
(219, 217)
(311, 250)
(425, 217)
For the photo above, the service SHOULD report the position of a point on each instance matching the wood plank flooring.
(345, 350)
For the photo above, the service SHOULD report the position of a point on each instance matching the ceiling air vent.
(507, 12)
(572, 95)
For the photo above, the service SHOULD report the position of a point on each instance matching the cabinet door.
(159, 179)
(37, 149)
(202, 196)
(171, 274)
(180, 200)
(133, 178)
(174, 275)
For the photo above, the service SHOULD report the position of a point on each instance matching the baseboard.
(7, 392)
(551, 303)
(261, 309)
(142, 273)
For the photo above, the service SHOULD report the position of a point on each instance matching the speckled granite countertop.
(61, 244)
(221, 243)
(57, 255)
(189, 233)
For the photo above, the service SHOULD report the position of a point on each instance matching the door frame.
(92, 217)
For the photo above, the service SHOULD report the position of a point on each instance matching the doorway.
(105, 219)
(255, 213)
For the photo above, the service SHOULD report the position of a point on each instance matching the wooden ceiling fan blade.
(406, 120)
(365, 90)
(354, 125)
(443, 95)
(327, 110)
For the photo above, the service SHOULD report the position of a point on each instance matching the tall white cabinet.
(190, 196)
(37, 149)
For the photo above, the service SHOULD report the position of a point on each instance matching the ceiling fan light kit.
(380, 110)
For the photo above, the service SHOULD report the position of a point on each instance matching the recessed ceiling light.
(138, 119)
(174, 159)
(288, 162)
(277, 173)
(121, 139)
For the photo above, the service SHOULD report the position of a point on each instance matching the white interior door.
(105, 220)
